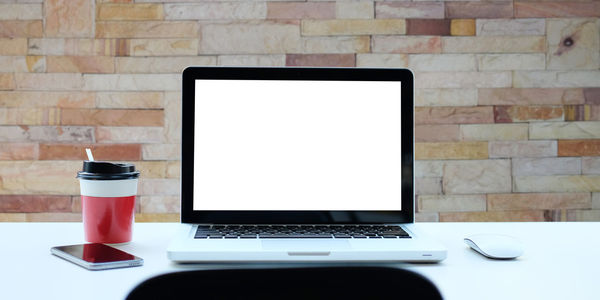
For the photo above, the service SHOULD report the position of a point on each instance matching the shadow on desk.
(286, 283)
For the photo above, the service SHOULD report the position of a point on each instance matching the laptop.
(298, 165)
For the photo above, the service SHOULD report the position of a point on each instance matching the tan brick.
(455, 10)
(381, 60)
(343, 44)
(498, 216)
(161, 151)
(410, 10)
(551, 79)
(546, 166)
(445, 97)
(47, 134)
(499, 62)
(69, 18)
(172, 132)
(48, 81)
(155, 187)
(453, 115)
(46, 99)
(500, 149)
(573, 44)
(157, 217)
(510, 114)
(596, 200)
(151, 169)
(556, 9)
(461, 150)
(269, 60)
(256, 37)
(34, 203)
(18, 151)
(462, 27)
(29, 116)
(442, 62)
(84, 47)
(493, 132)
(129, 100)
(353, 27)
(579, 148)
(13, 46)
(163, 47)
(174, 169)
(147, 29)
(590, 165)
(129, 135)
(407, 44)
(20, 11)
(528, 96)
(504, 27)
(354, 10)
(556, 184)
(7, 81)
(108, 152)
(426, 217)
(171, 64)
(300, 10)
(567, 130)
(428, 168)
(132, 82)
(216, 10)
(39, 177)
(12, 217)
(80, 64)
(160, 204)
(322, 60)
(583, 215)
(477, 177)
(20, 29)
(428, 186)
(492, 44)
(436, 133)
(129, 12)
(451, 203)
(53, 217)
(463, 79)
(527, 201)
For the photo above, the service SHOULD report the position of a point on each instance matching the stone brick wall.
(508, 94)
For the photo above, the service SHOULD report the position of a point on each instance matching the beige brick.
(300, 10)
(463, 79)
(556, 184)
(353, 27)
(510, 27)
(453, 115)
(174, 169)
(493, 44)
(477, 177)
(31, 63)
(160, 204)
(343, 44)
(442, 62)
(129, 135)
(131, 82)
(75, 134)
(436, 133)
(47, 99)
(499, 149)
(80, 64)
(590, 165)
(216, 11)
(171, 64)
(428, 186)
(7, 81)
(407, 44)
(450, 203)
(446, 97)
(12, 217)
(410, 10)
(426, 217)
(53, 217)
(567, 130)
(493, 132)
(528, 96)
(129, 12)
(39, 177)
(546, 166)
(462, 150)
(163, 47)
(156, 187)
(354, 9)
(29, 116)
(528, 201)
(172, 117)
(498, 216)
(161, 151)
(129, 100)
(596, 200)
(14, 46)
(85, 47)
(250, 38)
(147, 29)
(428, 168)
(500, 62)
(162, 217)
(381, 60)
(581, 52)
(584, 215)
(151, 169)
(48, 81)
(20, 11)
(69, 18)
(550, 79)
(273, 60)
(462, 27)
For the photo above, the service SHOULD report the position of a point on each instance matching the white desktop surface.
(561, 261)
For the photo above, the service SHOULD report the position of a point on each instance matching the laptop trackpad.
(306, 246)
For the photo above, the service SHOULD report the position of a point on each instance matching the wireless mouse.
(496, 246)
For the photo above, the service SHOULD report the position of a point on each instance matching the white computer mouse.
(497, 246)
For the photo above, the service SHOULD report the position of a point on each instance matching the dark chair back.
(289, 283)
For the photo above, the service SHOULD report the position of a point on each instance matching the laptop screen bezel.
(191, 74)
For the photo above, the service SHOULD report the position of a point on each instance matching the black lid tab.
(103, 170)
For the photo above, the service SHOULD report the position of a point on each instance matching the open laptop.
(298, 164)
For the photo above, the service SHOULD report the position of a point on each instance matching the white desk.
(561, 261)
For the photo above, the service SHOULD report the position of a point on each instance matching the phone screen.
(96, 253)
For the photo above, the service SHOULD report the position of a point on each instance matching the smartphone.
(97, 256)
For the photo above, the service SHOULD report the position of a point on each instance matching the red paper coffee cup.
(108, 201)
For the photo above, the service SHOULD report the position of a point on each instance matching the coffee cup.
(108, 193)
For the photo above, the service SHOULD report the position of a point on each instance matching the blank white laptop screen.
(297, 145)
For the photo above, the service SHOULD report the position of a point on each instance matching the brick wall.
(508, 94)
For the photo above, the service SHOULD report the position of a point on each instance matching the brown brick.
(436, 133)
(479, 10)
(121, 152)
(527, 201)
(578, 112)
(510, 114)
(557, 9)
(34, 203)
(427, 27)
(80, 64)
(16, 29)
(592, 96)
(462, 27)
(460, 150)
(300, 10)
(454, 115)
(579, 148)
(321, 60)
(113, 117)
(18, 151)
(501, 216)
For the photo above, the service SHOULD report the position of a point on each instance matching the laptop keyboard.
(300, 232)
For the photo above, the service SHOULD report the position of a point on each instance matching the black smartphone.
(95, 256)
